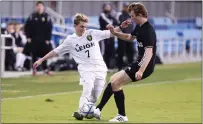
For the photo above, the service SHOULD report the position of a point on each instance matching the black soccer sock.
(120, 102)
(106, 96)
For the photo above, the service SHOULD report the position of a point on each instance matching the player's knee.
(113, 76)
(115, 85)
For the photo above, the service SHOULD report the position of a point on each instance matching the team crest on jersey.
(89, 37)
(43, 19)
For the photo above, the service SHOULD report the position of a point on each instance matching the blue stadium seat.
(24, 20)
(192, 33)
(3, 25)
(182, 26)
(186, 21)
(162, 21)
(201, 45)
(160, 27)
(68, 21)
(181, 47)
(151, 21)
(198, 22)
(3, 20)
(166, 33)
(94, 20)
(7, 19)
(18, 20)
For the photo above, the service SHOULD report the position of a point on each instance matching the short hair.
(39, 2)
(80, 17)
(15, 23)
(138, 8)
(106, 4)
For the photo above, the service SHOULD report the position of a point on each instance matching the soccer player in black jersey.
(142, 68)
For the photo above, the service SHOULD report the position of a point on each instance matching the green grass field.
(171, 94)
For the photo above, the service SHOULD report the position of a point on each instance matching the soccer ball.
(87, 110)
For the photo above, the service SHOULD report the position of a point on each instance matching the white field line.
(130, 85)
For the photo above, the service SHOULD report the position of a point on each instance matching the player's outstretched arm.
(47, 56)
(123, 36)
(144, 62)
(117, 31)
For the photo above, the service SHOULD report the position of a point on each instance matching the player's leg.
(87, 81)
(125, 77)
(108, 92)
(117, 83)
(99, 84)
(84, 98)
(34, 59)
(86, 93)
(44, 51)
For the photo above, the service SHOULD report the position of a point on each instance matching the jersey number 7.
(88, 53)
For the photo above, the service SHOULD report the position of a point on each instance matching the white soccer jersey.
(85, 49)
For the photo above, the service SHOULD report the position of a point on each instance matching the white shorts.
(93, 78)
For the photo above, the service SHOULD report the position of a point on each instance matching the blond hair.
(138, 8)
(80, 17)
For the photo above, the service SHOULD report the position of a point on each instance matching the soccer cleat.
(119, 118)
(97, 113)
(77, 116)
(48, 73)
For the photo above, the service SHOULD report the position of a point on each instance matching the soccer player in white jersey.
(83, 46)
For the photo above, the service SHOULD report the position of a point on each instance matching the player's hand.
(125, 23)
(29, 40)
(109, 26)
(47, 42)
(138, 75)
(37, 63)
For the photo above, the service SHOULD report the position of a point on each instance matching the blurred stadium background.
(178, 26)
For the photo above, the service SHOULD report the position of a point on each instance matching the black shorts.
(134, 67)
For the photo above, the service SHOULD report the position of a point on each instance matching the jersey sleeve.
(64, 47)
(101, 35)
(150, 38)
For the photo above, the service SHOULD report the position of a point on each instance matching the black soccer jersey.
(146, 37)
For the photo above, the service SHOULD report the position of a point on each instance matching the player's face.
(125, 8)
(136, 19)
(107, 8)
(10, 28)
(80, 28)
(40, 8)
(17, 28)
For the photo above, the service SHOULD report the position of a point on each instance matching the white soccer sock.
(97, 90)
(86, 93)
